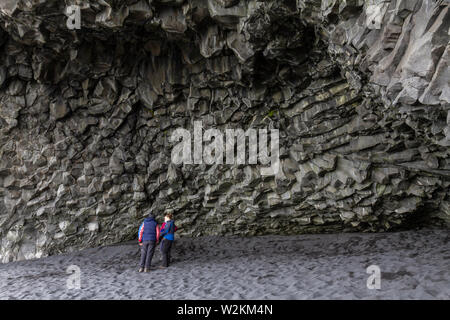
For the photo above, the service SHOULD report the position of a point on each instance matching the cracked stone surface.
(359, 91)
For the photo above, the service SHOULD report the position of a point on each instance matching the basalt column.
(358, 91)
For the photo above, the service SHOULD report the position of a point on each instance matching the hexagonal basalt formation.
(358, 90)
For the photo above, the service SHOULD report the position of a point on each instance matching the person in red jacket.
(148, 237)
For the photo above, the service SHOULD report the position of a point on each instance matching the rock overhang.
(358, 89)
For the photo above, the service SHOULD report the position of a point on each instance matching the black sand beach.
(413, 264)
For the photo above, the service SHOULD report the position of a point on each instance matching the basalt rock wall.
(359, 91)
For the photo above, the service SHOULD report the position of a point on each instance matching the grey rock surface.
(358, 89)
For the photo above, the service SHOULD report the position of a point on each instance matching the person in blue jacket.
(147, 241)
(167, 236)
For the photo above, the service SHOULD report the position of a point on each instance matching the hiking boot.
(147, 270)
(141, 269)
(162, 267)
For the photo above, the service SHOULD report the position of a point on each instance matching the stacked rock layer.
(359, 91)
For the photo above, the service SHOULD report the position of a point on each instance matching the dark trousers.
(165, 250)
(147, 250)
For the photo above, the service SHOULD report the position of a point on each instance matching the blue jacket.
(147, 230)
(169, 231)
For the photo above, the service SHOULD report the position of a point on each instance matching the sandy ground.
(413, 264)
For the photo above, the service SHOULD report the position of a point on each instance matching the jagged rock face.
(359, 91)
